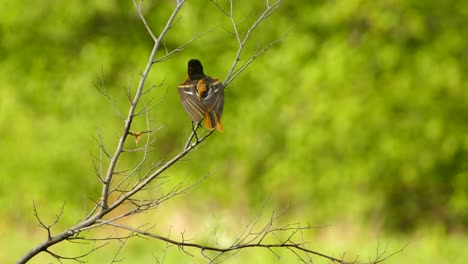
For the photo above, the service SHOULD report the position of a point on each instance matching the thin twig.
(182, 244)
(43, 225)
(182, 46)
(104, 206)
(242, 41)
(220, 8)
(130, 116)
(142, 17)
(257, 53)
(129, 186)
(102, 89)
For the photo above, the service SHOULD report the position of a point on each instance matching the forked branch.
(103, 206)
(126, 183)
(242, 40)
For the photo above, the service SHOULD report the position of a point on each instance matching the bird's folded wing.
(191, 102)
(215, 98)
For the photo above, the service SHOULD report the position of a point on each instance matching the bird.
(202, 96)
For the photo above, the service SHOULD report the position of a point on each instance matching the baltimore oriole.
(202, 96)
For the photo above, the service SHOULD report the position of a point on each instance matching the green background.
(357, 123)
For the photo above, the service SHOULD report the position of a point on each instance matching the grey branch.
(255, 242)
(242, 41)
(104, 207)
(126, 183)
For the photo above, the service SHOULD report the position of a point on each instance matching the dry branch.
(127, 183)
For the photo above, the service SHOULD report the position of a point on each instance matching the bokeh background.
(357, 123)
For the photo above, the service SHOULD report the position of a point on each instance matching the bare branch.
(122, 241)
(75, 258)
(142, 17)
(220, 8)
(102, 89)
(103, 208)
(242, 41)
(257, 53)
(182, 47)
(43, 225)
(381, 256)
(129, 119)
(120, 185)
(101, 146)
(182, 244)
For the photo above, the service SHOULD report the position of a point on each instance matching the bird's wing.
(214, 101)
(191, 102)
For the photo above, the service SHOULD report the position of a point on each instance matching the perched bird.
(202, 96)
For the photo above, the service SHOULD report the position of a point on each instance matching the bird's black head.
(195, 67)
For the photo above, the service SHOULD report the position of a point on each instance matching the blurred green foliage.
(361, 113)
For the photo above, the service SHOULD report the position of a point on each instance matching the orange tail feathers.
(212, 121)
